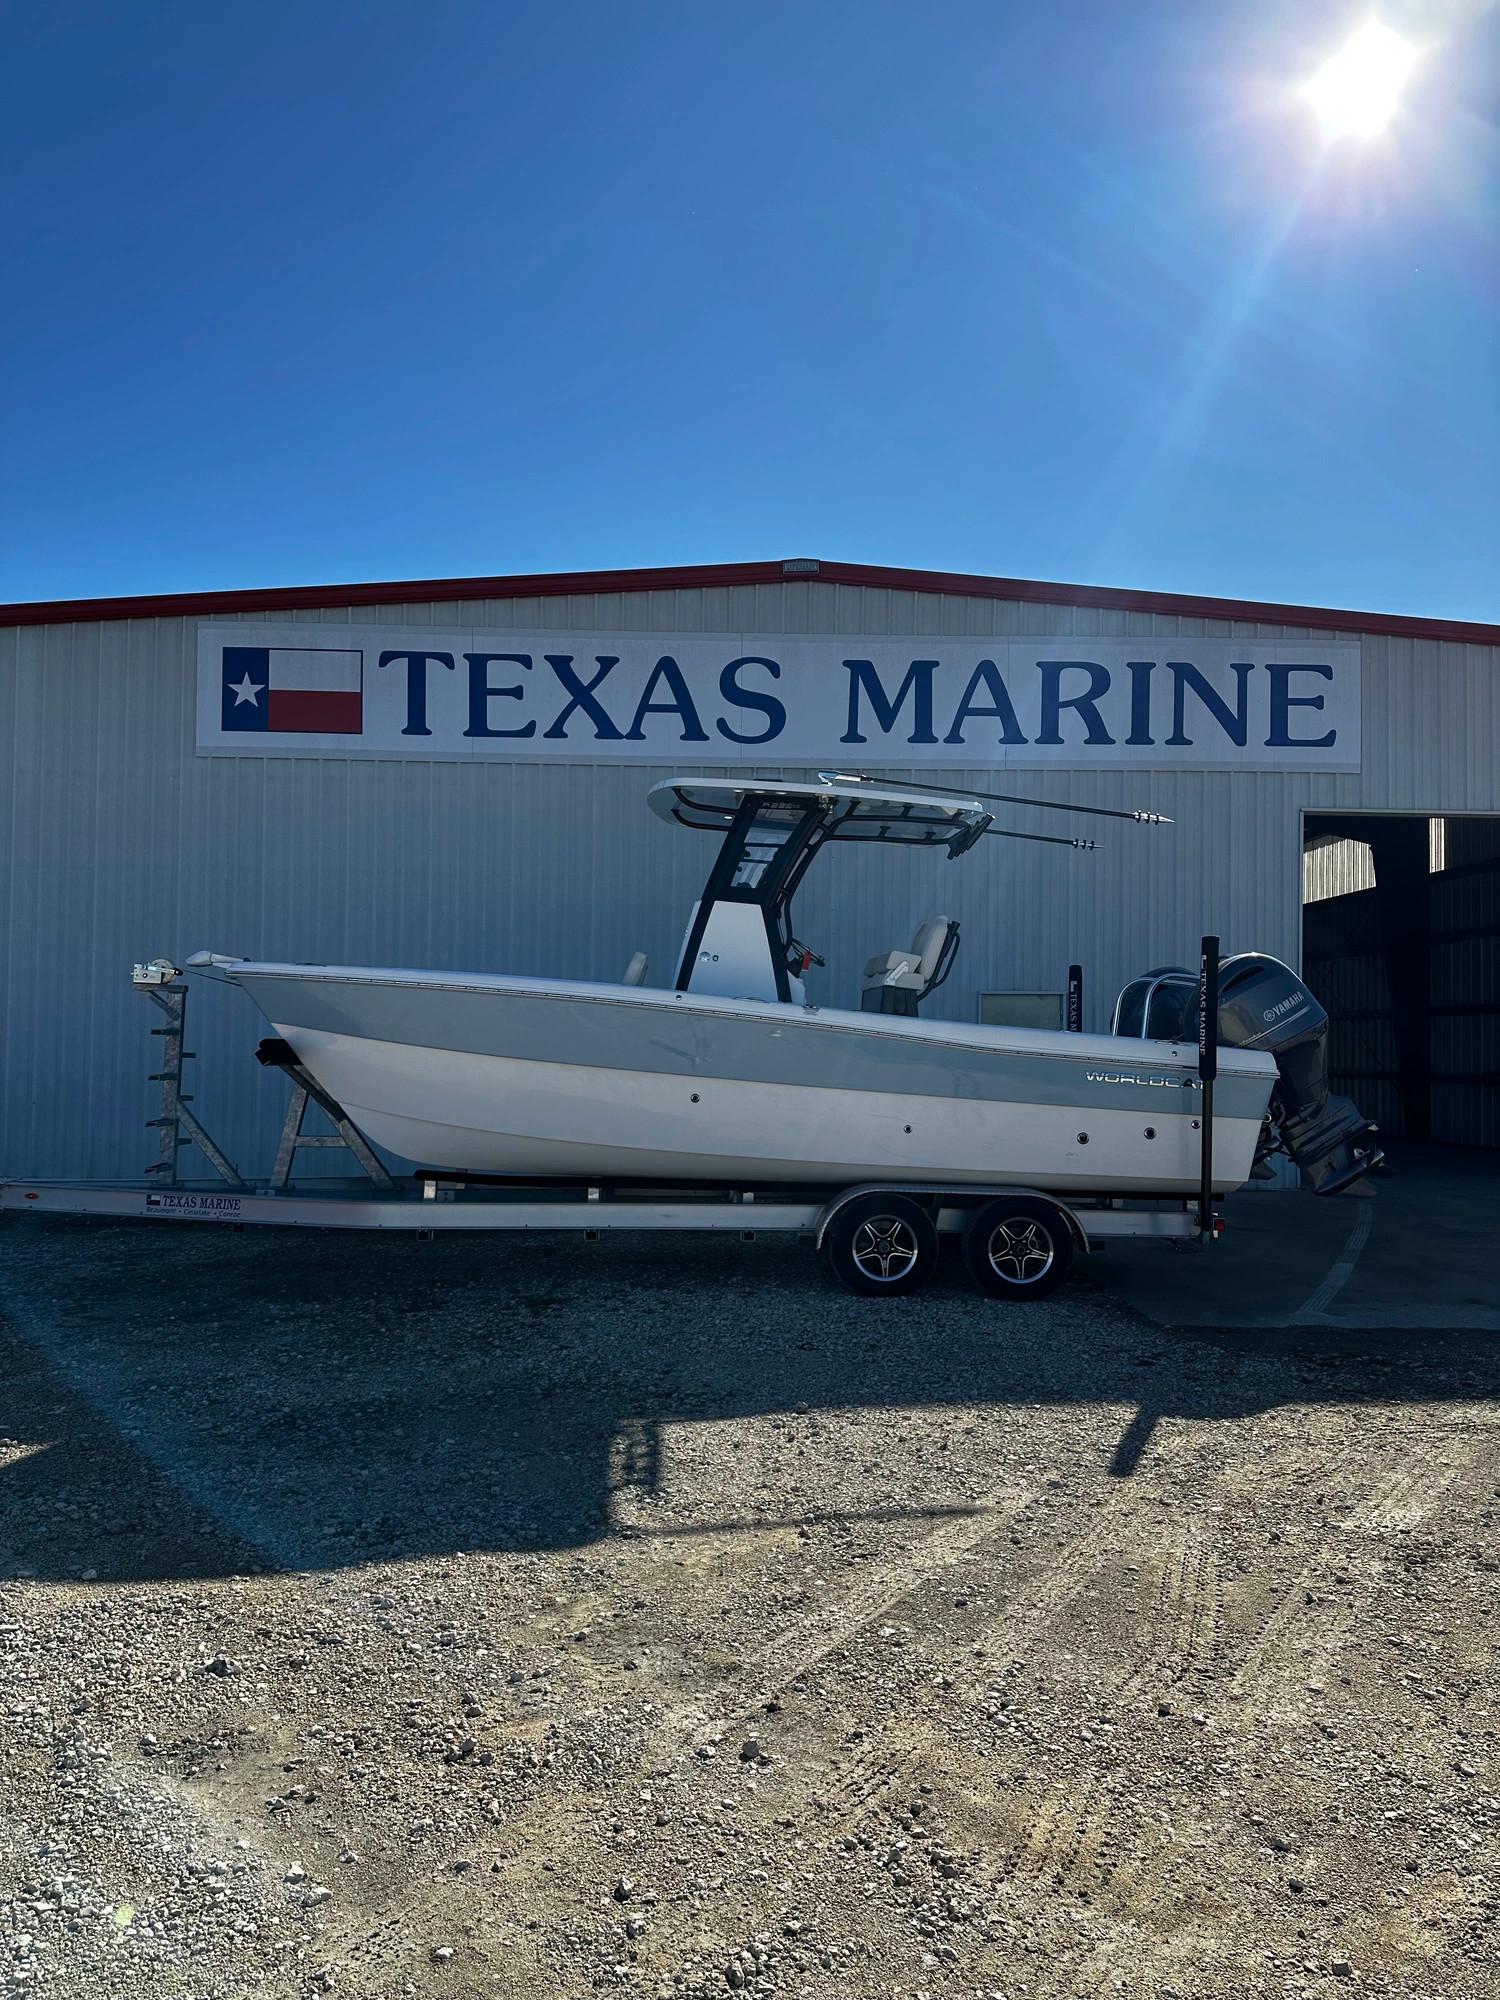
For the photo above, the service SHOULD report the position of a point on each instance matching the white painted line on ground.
(1414, 1318)
(1316, 1304)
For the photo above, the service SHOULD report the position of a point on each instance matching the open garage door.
(1401, 942)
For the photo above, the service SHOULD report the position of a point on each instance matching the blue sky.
(316, 292)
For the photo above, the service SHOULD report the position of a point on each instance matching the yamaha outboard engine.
(1264, 1005)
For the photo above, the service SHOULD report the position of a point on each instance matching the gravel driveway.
(535, 1618)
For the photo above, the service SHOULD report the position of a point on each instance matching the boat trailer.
(879, 1239)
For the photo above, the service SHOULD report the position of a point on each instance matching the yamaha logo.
(1283, 1007)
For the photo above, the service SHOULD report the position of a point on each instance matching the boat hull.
(544, 1078)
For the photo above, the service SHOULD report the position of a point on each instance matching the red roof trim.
(700, 576)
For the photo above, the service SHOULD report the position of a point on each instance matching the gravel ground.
(533, 1618)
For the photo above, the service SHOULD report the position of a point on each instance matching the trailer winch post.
(1075, 1000)
(1208, 1070)
(176, 1126)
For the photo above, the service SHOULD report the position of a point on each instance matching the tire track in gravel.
(1076, 1842)
(1408, 1494)
(861, 1783)
(687, 1726)
(849, 1791)
(1073, 1838)
(1064, 1840)
(1094, 1967)
(1186, 1620)
(1074, 1846)
(1073, 1842)
(849, 1794)
(1302, 1635)
(811, 1639)
(1009, 1642)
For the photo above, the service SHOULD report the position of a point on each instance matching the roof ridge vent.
(800, 566)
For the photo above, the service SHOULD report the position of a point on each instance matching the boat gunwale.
(960, 1035)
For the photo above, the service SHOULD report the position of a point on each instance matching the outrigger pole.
(1137, 813)
(1052, 839)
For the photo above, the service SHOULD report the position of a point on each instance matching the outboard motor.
(1264, 1005)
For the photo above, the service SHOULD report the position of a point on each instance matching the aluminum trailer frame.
(431, 1205)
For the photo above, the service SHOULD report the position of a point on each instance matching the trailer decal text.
(225, 1207)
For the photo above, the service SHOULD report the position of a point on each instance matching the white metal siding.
(1337, 868)
(117, 843)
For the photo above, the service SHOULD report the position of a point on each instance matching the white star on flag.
(245, 690)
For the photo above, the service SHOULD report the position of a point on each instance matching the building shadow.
(193, 1403)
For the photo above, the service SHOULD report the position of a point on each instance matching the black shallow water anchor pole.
(1208, 1070)
(1075, 1000)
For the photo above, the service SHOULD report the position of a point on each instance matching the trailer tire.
(1018, 1248)
(882, 1245)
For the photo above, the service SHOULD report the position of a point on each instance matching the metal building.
(405, 774)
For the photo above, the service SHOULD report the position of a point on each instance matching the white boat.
(731, 1077)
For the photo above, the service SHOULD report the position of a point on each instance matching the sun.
(1356, 92)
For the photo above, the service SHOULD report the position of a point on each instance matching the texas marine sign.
(581, 697)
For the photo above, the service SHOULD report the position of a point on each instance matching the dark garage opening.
(1401, 943)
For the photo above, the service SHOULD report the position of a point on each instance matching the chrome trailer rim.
(1021, 1251)
(885, 1248)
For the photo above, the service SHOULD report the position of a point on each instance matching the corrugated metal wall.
(1336, 868)
(1344, 960)
(1346, 966)
(1466, 996)
(118, 843)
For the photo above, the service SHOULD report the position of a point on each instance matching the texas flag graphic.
(313, 691)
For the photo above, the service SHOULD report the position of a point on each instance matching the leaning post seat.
(896, 982)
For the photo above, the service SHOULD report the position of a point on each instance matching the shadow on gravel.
(1317, 1364)
(196, 1403)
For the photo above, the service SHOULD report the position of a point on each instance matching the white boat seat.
(635, 972)
(896, 981)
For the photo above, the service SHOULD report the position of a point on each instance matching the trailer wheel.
(883, 1245)
(1016, 1248)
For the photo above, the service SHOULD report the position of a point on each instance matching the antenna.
(1136, 813)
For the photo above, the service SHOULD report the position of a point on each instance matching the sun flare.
(1356, 92)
